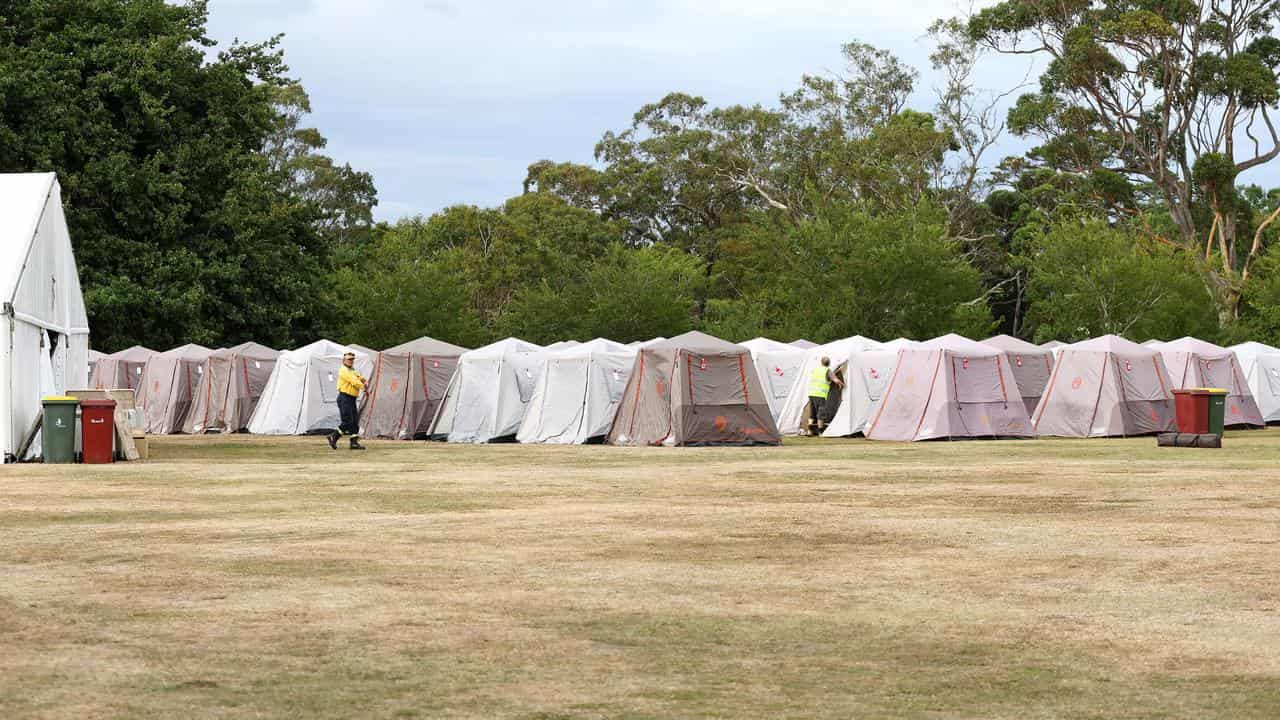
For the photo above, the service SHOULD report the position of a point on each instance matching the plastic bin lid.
(58, 399)
(98, 403)
(1211, 391)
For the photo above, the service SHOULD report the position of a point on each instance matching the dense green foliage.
(1088, 279)
(184, 228)
(203, 209)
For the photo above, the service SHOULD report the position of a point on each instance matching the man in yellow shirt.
(350, 383)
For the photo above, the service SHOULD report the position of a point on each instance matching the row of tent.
(696, 389)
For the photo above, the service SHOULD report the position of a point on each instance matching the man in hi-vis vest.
(820, 381)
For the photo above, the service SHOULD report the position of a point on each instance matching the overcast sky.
(448, 102)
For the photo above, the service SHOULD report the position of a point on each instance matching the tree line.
(203, 209)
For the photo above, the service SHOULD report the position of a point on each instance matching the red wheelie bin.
(98, 431)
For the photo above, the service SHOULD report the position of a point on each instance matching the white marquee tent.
(45, 330)
(777, 365)
(1261, 367)
(489, 392)
(301, 396)
(577, 393)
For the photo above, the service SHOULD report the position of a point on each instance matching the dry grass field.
(271, 578)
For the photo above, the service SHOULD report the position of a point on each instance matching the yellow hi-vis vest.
(819, 385)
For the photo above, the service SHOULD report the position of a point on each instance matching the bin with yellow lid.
(1217, 409)
(58, 430)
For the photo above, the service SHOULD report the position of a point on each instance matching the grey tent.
(1031, 364)
(577, 393)
(1261, 367)
(1106, 387)
(694, 389)
(950, 387)
(94, 357)
(230, 386)
(301, 396)
(778, 365)
(1195, 363)
(121, 369)
(489, 393)
(169, 384)
(406, 388)
(793, 418)
(866, 377)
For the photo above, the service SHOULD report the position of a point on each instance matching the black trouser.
(348, 414)
(816, 406)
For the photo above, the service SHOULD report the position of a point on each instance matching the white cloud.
(448, 101)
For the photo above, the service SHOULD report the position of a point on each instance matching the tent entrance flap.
(978, 380)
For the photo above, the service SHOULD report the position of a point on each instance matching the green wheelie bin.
(58, 431)
(1217, 410)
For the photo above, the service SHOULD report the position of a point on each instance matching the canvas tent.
(866, 377)
(1031, 364)
(778, 365)
(121, 369)
(1052, 345)
(1106, 387)
(950, 387)
(641, 343)
(168, 388)
(44, 330)
(230, 385)
(693, 389)
(793, 418)
(899, 343)
(577, 393)
(803, 344)
(488, 394)
(94, 357)
(406, 387)
(1155, 344)
(301, 396)
(1260, 365)
(1195, 363)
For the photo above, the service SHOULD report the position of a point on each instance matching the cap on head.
(348, 354)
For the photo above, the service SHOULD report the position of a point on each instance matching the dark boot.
(333, 440)
(355, 443)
